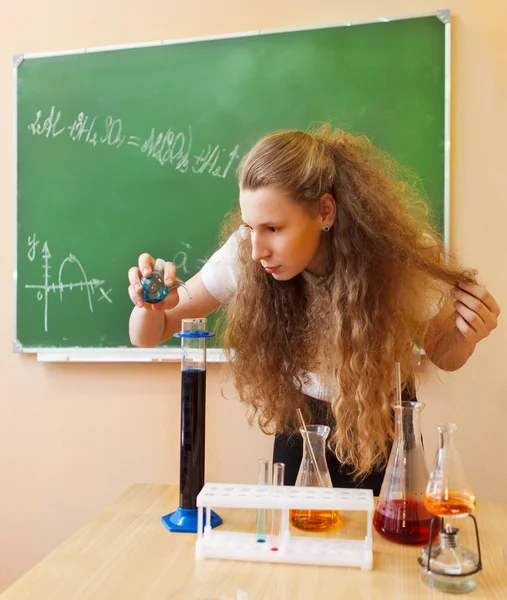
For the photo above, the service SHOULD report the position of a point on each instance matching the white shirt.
(220, 273)
(220, 277)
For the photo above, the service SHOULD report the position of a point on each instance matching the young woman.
(329, 279)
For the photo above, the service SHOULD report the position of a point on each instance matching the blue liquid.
(154, 288)
(193, 405)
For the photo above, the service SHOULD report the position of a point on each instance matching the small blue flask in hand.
(154, 288)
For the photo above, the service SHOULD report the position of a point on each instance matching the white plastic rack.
(213, 543)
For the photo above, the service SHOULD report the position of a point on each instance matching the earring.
(326, 228)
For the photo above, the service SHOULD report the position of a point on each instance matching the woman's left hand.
(476, 311)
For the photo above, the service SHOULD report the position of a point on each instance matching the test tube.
(276, 516)
(261, 512)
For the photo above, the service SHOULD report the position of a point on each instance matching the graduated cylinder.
(193, 409)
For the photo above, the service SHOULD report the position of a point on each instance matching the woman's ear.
(327, 210)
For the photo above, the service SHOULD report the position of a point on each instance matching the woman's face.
(285, 238)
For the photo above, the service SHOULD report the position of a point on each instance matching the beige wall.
(73, 436)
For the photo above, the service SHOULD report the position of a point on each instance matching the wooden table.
(125, 553)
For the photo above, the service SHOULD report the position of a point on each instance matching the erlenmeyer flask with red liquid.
(400, 515)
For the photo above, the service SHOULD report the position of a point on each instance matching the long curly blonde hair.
(383, 274)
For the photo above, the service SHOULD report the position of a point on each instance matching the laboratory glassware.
(263, 479)
(193, 336)
(276, 514)
(447, 565)
(400, 515)
(314, 472)
(154, 287)
(448, 493)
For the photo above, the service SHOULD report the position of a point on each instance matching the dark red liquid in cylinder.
(404, 521)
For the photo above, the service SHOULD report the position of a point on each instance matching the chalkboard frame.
(171, 354)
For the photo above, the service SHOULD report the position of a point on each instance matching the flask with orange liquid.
(314, 472)
(448, 493)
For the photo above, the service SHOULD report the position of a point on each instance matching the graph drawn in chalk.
(90, 286)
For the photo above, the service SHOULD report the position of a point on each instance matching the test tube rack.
(313, 549)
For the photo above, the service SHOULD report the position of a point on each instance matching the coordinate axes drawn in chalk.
(91, 286)
(180, 259)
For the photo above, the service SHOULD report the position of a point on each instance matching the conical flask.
(314, 472)
(448, 492)
(400, 515)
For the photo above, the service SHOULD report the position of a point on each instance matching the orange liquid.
(315, 520)
(453, 505)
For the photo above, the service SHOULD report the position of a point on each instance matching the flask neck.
(313, 470)
(407, 427)
(446, 437)
(317, 436)
(159, 265)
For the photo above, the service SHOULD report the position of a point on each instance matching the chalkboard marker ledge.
(101, 355)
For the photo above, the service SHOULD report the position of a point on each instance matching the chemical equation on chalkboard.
(166, 147)
(90, 286)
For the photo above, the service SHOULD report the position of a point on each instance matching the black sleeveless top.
(288, 449)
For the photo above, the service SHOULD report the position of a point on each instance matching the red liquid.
(404, 521)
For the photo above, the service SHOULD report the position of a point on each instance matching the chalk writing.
(33, 242)
(47, 127)
(167, 146)
(181, 262)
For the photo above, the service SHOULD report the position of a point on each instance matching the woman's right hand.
(145, 269)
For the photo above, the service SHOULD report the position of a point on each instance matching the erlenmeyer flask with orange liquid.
(400, 515)
(314, 472)
(448, 493)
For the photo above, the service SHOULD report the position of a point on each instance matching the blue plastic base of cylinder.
(185, 520)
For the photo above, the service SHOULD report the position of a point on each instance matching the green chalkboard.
(129, 150)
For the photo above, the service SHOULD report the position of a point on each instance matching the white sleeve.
(219, 274)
